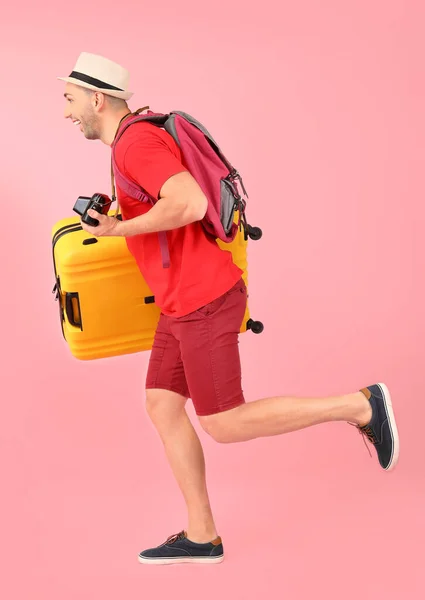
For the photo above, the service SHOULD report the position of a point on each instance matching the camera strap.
(113, 191)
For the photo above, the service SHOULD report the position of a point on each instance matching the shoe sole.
(392, 425)
(213, 560)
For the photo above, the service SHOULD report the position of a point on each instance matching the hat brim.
(114, 93)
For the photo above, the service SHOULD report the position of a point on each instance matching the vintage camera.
(98, 202)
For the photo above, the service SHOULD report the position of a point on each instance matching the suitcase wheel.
(255, 233)
(255, 326)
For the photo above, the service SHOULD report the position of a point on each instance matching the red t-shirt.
(200, 271)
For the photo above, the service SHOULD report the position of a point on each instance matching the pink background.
(320, 104)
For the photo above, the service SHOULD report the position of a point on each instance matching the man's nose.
(67, 113)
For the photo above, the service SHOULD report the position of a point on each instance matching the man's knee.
(162, 405)
(216, 427)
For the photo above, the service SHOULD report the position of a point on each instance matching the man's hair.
(114, 103)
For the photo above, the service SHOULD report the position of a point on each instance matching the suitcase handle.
(72, 309)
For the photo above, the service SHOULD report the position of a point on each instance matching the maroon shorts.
(197, 356)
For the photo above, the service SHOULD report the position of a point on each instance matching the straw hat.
(101, 75)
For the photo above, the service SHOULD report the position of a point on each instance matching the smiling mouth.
(76, 122)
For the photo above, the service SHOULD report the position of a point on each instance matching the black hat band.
(93, 81)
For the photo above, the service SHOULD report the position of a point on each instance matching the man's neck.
(112, 128)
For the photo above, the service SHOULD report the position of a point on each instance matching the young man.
(202, 298)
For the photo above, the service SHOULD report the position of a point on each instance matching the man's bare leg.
(274, 416)
(186, 458)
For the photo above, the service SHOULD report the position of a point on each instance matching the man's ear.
(99, 100)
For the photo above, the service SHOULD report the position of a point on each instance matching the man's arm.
(181, 202)
(150, 161)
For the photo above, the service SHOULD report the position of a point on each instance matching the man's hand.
(107, 225)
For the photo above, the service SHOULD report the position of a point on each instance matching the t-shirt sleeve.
(150, 161)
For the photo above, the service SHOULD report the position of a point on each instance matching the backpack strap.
(137, 112)
(132, 189)
(154, 118)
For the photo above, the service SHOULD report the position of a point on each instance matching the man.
(202, 300)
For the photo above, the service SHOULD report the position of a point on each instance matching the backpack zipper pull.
(234, 175)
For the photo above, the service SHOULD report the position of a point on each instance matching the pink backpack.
(217, 178)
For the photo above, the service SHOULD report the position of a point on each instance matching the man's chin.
(90, 135)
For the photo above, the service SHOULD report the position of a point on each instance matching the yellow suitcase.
(105, 306)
